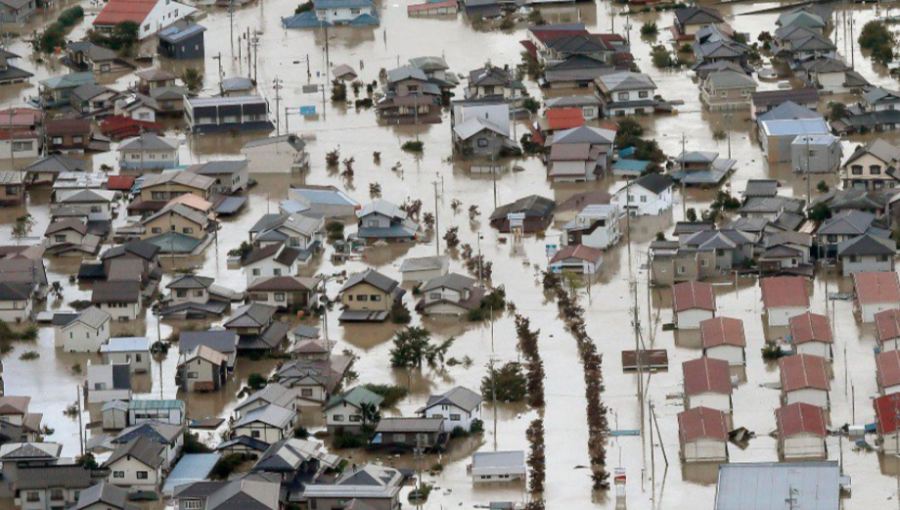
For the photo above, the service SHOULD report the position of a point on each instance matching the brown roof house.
(801, 431)
(784, 297)
(811, 334)
(707, 383)
(73, 136)
(703, 435)
(202, 369)
(524, 216)
(369, 297)
(14, 411)
(876, 292)
(451, 294)
(292, 293)
(693, 302)
(804, 378)
(723, 338)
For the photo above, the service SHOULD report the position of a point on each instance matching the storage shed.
(707, 383)
(784, 297)
(723, 338)
(801, 431)
(875, 292)
(115, 415)
(693, 303)
(703, 435)
(498, 466)
(811, 334)
(804, 378)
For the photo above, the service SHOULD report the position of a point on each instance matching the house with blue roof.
(182, 40)
(326, 13)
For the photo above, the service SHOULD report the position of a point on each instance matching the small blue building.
(182, 40)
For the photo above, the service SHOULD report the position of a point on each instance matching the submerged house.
(382, 220)
(524, 216)
(223, 114)
(369, 297)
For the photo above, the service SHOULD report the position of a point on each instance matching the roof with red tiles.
(691, 295)
(722, 331)
(803, 371)
(800, 418)
(810, 327)
(784, 292)
(706, 375)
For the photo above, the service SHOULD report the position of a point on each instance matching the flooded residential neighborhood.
(350, 254)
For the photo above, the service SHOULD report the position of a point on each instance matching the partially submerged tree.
(413, 348)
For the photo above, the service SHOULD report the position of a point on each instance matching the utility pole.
(437, 221)
(416, 106)
(231, 23)
(652, 453)
(278, 106)
(80, 424)
(662, 445)
(479, 259)
(327, 54)
(219, 59)
(491, 360)
(728, 127)
(683, 194)
(809, 190)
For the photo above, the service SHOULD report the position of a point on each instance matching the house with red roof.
(723, 338)
(801, 431)
(151, 15)
(693, 303)
(707, 383)
(577, 258)
(703, 435)
(887, 372)
(887, 422)
(804, 378)
(887, 329)
(811, 334)
(875, 292)
(784, 297)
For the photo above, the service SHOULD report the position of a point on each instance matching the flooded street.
(52, 383)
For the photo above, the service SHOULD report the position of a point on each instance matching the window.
(279, 296)
(375, 297)
(875, 170)
(624, 96)
(118, 474)
(338, 417)
(276, 271)
(455, 417)
(60, 238)
(704, 263)
(434, 295)
(362, 298)
(681, 270)
(643, 94)
(33, 497)
(22, 146)
(256, 272)
(643, 199)
(306, 392)
(57, 140)
(483, 142)
(294, 242)
(156, 230)
(193, 504)
(198, 293)
(254, 433)
(187, 230)
(142, 475)
(77, 139)
(57, 495)
(193, 375)
(180, 293)
(355, 418)
(856, 169)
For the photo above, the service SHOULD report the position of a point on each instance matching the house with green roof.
(56, 91)
(344, 413)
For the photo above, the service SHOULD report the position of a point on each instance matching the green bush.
(413, 146)
(226, 466)
(343, 441)
(475, 315)
(257, 381)
(192, 444)
(391, 393)
(509, 381)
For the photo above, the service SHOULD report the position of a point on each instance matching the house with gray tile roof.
(137, 465)
(369, 296)
(120, 299)
(727, 90)
(847, 225)
(382, 220)
(270, 423)
(44, 488)
(103, 496)
(450, 294)
(344, 412)
(459, 407)
(626, 93)
(86, 332)
(867, 253)
(239, 494)
(368, 486)
(421, 269)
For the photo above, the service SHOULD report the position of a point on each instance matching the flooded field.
(652, 484)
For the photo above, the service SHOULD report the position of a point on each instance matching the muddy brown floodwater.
(283, 54)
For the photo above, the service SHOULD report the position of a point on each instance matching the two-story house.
(626, 93)
(149, 152)
(650, 195)
(169, 435)
(231, 176)
(382, 220)
(369, 296)
(409, 95)
(137, 465)
(872, 166)
(193, 296)
(450, 294)
(344, 413)
(270, 424)
(273, 260)
(727, 90)
(51, 487)
(299, 231)
(491, 82)
(257, 328)
(254, 492)
(459, 407)
(82, 332)
(596, 226)
(286, 292)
